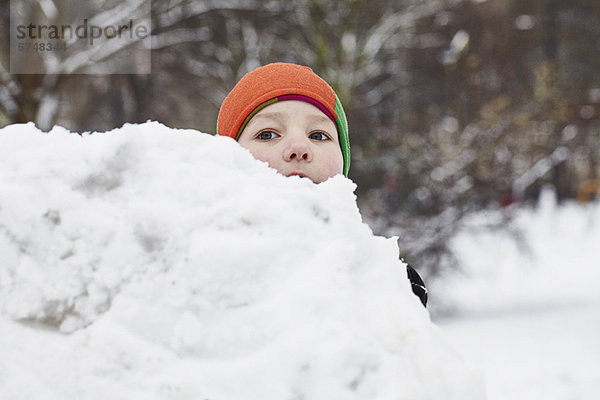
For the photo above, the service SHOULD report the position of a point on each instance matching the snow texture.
(528, 308)
(552, 260)
(154, 263)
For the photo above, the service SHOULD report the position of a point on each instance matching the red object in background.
(508, 199)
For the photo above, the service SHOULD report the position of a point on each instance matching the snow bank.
(153, 263)
(528, 308)
(547, 258)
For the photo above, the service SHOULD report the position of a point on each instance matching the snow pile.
(152, 263)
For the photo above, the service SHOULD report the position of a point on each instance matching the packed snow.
(154, 263)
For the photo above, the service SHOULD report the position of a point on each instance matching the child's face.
(295, 138)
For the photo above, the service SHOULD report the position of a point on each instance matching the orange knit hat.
(278, 82)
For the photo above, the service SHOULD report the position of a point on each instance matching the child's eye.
(318, 136)
(267, 135)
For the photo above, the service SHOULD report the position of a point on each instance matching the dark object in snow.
(417, 284)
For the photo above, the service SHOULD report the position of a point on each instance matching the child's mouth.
(300, 174)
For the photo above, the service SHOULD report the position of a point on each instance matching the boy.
(290, 118)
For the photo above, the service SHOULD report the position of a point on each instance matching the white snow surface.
(154, 263)
(548, 257)
(527, 309)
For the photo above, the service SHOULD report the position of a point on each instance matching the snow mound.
(154, 263)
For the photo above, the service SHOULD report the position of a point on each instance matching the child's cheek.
(267, 156)
(260, 154)
(333, 165)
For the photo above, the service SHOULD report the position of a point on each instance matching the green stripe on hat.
(252, 114)
(342, 125)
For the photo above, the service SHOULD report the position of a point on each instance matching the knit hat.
(278, 82)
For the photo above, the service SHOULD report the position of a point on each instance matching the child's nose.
(298, 150)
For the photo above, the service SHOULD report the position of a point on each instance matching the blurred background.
(454, 106)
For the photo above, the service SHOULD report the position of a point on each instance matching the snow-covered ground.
(152, 263)
(528, 309)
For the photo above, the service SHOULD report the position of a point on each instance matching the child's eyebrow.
(276, 115)
(319, 117)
